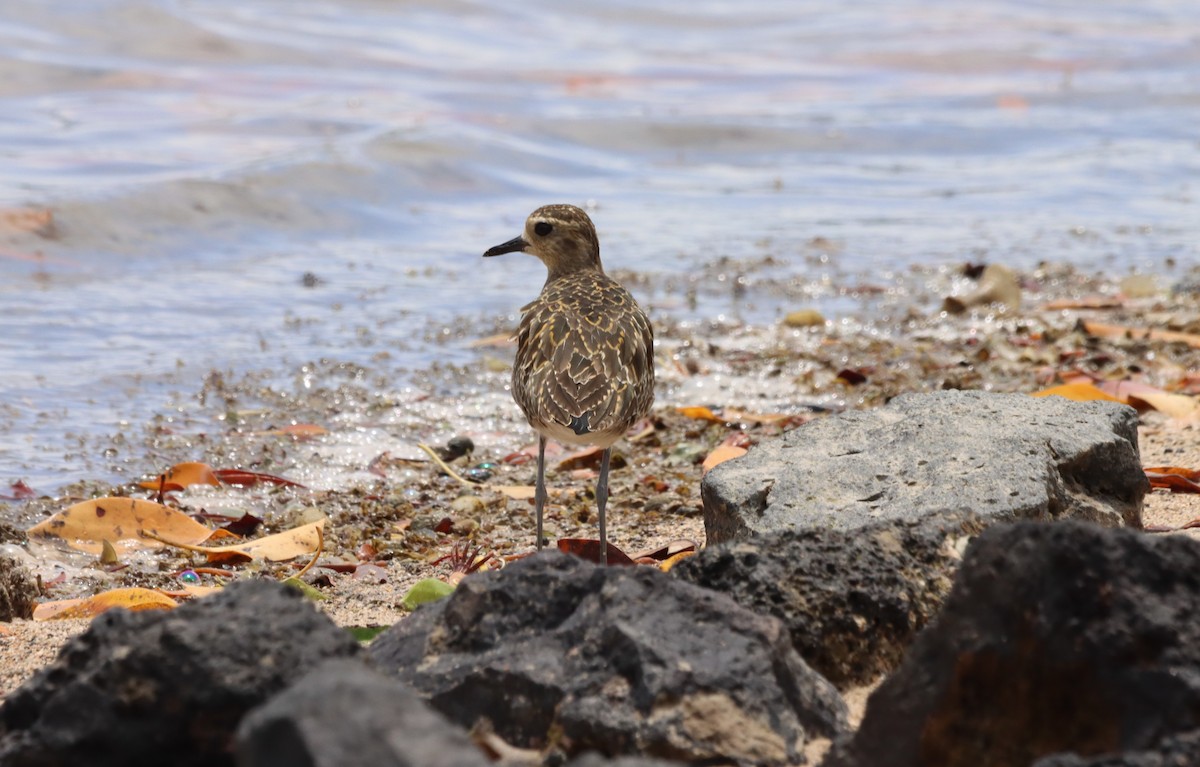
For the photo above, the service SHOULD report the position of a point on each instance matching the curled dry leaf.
(280, 547)
(130, 599)
(85, 526)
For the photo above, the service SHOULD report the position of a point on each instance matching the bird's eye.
(541, 229)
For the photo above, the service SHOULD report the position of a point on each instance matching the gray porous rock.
(345, 713)
(1173, 751)
(561, 655)
(1055, 640)
(1000, 456)
(853, 601)
(18, 589)
(166, 687)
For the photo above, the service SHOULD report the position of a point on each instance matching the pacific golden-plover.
(584, 372)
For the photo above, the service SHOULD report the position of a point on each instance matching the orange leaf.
(130, 599)
(721, 454)
(1122, 331)
(299, 431)
(1192, 474)
(182, 475)
(674, 559)
(85, 526)
(1080, 392)
(700, 413)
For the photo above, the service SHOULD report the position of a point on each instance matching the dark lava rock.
(1174, 751)
(166, 687)
(18, 590)
(561, 655)
(1001, 456)
(1056, 639)
(345, 713)
(852, 601)
(592, 759)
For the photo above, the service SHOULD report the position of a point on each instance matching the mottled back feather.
(585, 359)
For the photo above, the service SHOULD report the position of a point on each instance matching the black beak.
(512, 246)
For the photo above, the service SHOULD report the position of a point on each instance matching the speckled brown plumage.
(584, 372)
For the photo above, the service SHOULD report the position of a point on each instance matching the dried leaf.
(1102, 330)
(1176, 483)
(588, 458)
(589, 549)
(1090, 302)
(299, 541)
(19, 491)
(182, 475)
(130, 599)
(86, 525)
(671, 561)
(1080, 392)
(661, 553)
(251, 478)
(1173, 405)
(299, 431)
(721, 454)
(700, 413)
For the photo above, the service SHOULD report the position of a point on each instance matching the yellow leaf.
(280, 547)
(1080, 392)
(1174, 405)
(85, 526)
(130, 599)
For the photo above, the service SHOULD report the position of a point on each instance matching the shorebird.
(584, 372)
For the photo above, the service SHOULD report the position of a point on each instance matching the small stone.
(468, 504)
(804, 318)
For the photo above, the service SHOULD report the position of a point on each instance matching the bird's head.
(562, 236)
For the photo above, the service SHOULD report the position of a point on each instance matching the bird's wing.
(586, 365)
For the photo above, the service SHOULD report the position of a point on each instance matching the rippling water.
(199, 157)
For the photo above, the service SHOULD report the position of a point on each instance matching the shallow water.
(200, 157)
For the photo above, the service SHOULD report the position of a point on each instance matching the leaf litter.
(350, 462)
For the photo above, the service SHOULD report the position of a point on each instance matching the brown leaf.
(589, 549)
(244, 478)
(1176, 483)
(588, 458)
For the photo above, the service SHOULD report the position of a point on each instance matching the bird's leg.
(602, 501)
(539, 492)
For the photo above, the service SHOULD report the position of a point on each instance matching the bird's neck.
(564, 271)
